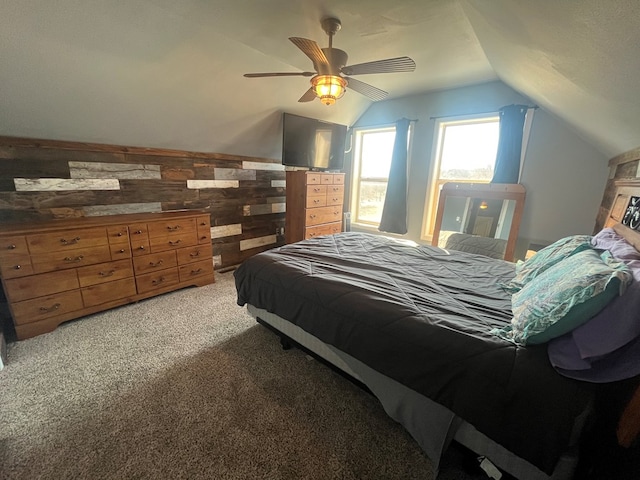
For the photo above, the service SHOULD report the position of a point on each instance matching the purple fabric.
(607, 347)
(619, 365)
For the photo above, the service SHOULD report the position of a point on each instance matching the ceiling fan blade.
(311, 50)
(365, 89)
(308, 96)
(390, 65)
(280, 74)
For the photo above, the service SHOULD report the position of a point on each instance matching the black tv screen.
(311, 143)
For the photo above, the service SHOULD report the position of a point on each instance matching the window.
(465, 151)
(373, 149)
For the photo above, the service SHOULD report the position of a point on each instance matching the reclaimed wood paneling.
(45, 179)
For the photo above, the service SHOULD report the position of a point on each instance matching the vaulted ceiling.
(166, 73)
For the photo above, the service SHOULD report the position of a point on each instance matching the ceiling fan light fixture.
(328, 88)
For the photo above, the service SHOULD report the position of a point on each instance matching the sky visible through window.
(469, 151)
(377, 148)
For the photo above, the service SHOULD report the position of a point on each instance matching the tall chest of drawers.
(314, 204)
(59, 270)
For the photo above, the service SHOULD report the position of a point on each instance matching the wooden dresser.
(314, 204)
(59, 270)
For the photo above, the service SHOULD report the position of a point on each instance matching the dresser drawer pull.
(317, 189)
(121, 250)
(17, 267)
(316, 201)
(73, 241)
(173, 244)
(11, 247)
(204, 237)
(196, 272)
(52, 308)
(336, 212)
(74, 259)
(195, 254)
(312, 216)
(156, 264)
(158, 281)
(119, 234)
(138, 232)
(173, 229)
(141, 247)
(203, 224)
(107, 274)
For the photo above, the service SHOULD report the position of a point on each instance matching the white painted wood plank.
(262, 166)
(278, 207)
(226, 230)
(203, 184)
(64, 184)
(279, 183)
(257, 242)
(98, 210)
(122, 171)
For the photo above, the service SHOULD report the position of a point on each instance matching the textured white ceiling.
(166, 73)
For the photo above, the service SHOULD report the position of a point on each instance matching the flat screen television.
(311, 143)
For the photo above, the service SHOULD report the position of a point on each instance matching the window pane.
(377, 148)
(371, 201)
(469, 151)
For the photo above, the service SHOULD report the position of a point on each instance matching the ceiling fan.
(332, 75)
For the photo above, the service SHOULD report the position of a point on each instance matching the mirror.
(479, 218)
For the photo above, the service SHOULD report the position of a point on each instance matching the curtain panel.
(507, 166)
(394, 212)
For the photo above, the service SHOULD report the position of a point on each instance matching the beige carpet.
(187, 385)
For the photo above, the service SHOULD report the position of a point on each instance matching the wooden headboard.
(624, 215)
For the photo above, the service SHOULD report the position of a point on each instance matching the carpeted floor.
(187, 385)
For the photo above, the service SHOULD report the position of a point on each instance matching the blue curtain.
(394, 212)
(507, 167)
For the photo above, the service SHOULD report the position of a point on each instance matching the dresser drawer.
(338, 178)
(204, 230)
(24, 288)
(107, 292)
(317, 216)
(119, 251)
(155, 280)
(45, 307)
(316, 190)
(326, 179)
(169, 227)
(314, 201)
(139, 239)
(154, 262)
(104, 272)
(196, 270)
(313, 178)
(335, 194)
(71, 258)
(193, 254)
(118, 234)
(326, 229)
(173, 241)
(16, 266)
(67, 240)
(13, 246)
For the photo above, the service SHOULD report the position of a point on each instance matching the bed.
(419, 327)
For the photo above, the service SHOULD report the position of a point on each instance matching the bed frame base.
(433, 426)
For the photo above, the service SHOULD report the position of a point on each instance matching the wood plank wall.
(623, 167)
(45, 179)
